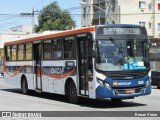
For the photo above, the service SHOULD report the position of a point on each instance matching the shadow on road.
(85, 102)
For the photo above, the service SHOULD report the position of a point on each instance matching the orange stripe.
(63, 75)
(68, 32)
(38, 72)
(17, 71)
(4, 65)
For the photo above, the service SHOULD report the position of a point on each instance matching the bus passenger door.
(83, 65)
(37, 58)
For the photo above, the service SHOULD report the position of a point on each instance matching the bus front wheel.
(24, 86)
(72, 93)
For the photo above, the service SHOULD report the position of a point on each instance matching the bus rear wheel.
(158, 87)
(24, 86)
(72, 93)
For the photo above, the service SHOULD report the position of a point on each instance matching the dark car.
(155, 77)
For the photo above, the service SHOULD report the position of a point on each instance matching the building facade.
(142, 12)
(12, 34)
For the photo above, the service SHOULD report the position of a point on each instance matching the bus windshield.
(122, 54)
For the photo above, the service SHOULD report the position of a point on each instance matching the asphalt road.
(11, 99)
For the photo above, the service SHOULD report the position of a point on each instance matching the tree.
(53, 18)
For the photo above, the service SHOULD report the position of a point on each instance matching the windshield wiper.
(115, 43)
(122, 60)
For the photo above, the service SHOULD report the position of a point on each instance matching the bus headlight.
(148, 82)
(102, 83)
(107, 85)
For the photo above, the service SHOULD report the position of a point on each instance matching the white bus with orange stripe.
(98, 62)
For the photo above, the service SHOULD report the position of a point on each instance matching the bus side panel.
(15, 71)
(30, 81)
(54, 75)
(14, 81)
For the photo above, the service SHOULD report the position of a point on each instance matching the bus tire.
(72, 93)
(2, 74)
(24, 86)
(116, 100)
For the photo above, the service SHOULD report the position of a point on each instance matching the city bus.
(97, 62)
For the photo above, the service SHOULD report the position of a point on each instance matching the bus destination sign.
(120, 31)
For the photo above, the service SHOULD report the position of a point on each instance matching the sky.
(15, 7)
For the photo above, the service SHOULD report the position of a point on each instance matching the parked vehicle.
(155, 77)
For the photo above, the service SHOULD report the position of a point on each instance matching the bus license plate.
(130, 91)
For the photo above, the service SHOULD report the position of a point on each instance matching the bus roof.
(38, 37)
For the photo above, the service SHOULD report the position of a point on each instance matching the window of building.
(159, 26)
(113, 5)
(102, 21)
(57, 49)
(159, 7)
(95, 22)
(28, 51)
(142, 24)
(102, 5)
(95, 9)
(149, 6)
(14, 52)
(20, 52)
(149, 25)
(69, 48)
(47, 50)
(142, 4)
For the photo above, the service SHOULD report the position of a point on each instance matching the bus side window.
(8, 52)
(58, 54)
(47, 50)
(20, 55)
(28, 51)
(68, 48)
(14, 52)
(57, 49)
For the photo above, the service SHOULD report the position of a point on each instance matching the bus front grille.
(123, 91)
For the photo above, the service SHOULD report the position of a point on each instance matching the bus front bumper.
(103, 92)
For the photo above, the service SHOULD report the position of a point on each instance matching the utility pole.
(32, 15)
(32, 20)
(108, 9)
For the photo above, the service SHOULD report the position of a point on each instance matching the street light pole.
(83, 3)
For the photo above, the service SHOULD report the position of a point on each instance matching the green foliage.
(53, 18)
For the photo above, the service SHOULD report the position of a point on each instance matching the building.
(142, 12)
(26, 29)
(12, 34)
